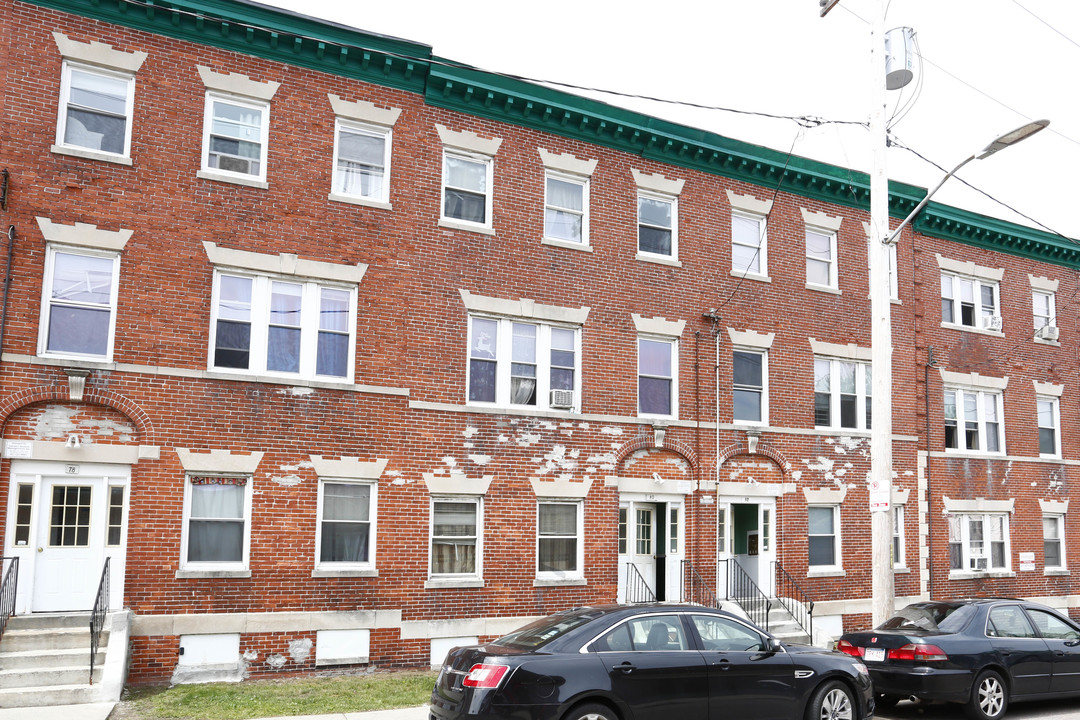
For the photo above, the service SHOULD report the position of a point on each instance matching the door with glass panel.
(637, 551)
(70, 543)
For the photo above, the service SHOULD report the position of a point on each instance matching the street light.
(1000, 143)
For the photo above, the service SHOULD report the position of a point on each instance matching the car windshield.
(935, 617)
(541, 632)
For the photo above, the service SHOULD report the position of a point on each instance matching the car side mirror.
(772, 645)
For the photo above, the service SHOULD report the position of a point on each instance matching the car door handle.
(723, 664)
(1059, 653)
(626, 668)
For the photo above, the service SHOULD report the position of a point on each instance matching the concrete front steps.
(45, 660)
(784, 626)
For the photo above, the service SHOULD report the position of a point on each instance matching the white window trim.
(381, 201)
(673, 344)
(365, 568)
(469, 146)
(762, 274)
(1059, 518)
(965, 571)
(838, 566)
(63, 148)
(46, 299)
(456, 579)
(673, 257)
(208, 173)
(900, 561)
(1051, 305)
(560, 576)
(829, 225)
(981, 395)
(764, 353)
(1055, 404)
(978, 308)
(861, 368)
(211, 568)
(582, 181)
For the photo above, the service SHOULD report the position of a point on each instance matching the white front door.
(70, 542)
(637, 550)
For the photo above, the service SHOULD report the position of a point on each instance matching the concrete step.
(48, 639)
(31, 659)
(55, 676)
(44, 696)
(40, 621)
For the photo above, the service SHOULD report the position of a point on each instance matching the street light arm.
(922, 203)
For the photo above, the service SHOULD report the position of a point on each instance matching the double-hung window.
(823, 550)
(657, 376)
(820, 258)
(96, 109)
(559, 546)
(361, 161)
(1053, 542)
(969, 303)
(346, 536)
(979, 542)
(79, 309)
(217, 516)
(456, 537)
(566, 203)
(748, 244)
(973, 420)
(658, 217)
(1042, 308)
(1049, 421)
(749, 388)
(235, 136)
(520, 363)
(467, 179)
(842, 393)
(898, 559)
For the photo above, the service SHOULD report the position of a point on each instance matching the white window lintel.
(84, 235)
(567, 163)
(348, 468)
(468, 141)
(900, 497)
(974, 381)
(1054, 507)
(283, 264)
(457, 483)
(657, 183)
(978, 505)
(749, 203)
(524, 308)
(566, 489)
(751, 339)
(219, 461)
(101, 54)
(850, 351)
(1043, 284)
(1048, 389)
(363, 111)
(970, 269)
(658, 326)
(237, 84)
(824, 496)
(821, 221)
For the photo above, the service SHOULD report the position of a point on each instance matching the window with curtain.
(455, 534)
(80, 303)
(520, 363)
(235, 136)
(306, 329)
(217, 529)
(1042, 308)
(748, 246)
(346, 521)
(361, 161)
(558, 539)
(467, 188)
(656, 376)
(95, 109)
(566, 208)
(820, 258)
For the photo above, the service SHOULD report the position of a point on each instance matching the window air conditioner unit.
(992, 322)
(562, 399)
(1047, 332)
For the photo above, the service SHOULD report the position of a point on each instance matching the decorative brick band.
(92, 396)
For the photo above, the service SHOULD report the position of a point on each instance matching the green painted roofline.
(293, 39)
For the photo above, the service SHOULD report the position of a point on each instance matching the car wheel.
(989, 697)
(831, 701)
(591, 711)
(884, 702)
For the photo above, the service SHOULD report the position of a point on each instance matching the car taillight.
(484, 676)
(921, 652)
(845, 647)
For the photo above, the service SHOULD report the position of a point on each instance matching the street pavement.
(1045, 710)
(100, 711)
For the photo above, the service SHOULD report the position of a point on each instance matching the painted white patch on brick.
(526, 439)
(480, 459)
(276, 661)
(287, 480)
(609, 430)
(797, 475)
(503, 438)
(470, 431)
(251, 655)
(605, 461)
(575, 453)
(297, 391)
(450, 462)
(300, 650)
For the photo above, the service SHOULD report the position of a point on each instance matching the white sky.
(989, 66)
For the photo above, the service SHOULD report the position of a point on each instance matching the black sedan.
(982, 653)
(648, 662)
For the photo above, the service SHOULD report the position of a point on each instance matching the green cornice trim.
(293, 39)
(268, 33)
(950, 223)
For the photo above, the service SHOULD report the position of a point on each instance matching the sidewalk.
(100, 711)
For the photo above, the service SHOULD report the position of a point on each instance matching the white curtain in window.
(216, 530)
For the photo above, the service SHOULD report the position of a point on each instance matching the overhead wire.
(1032, 14)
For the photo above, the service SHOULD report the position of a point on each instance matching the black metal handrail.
(743, 590)
(795, 600)
(97, 616)
(8, 587)
(637, 590)
(695, 589)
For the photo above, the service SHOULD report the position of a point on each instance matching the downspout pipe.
(7, 284)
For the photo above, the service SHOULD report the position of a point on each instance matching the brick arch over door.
(740, 448)
(647, 441)
(93, 396)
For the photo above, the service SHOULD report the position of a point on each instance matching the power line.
(1029, 12)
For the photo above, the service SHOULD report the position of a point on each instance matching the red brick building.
(339, 355)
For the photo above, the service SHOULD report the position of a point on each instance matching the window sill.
(249, 182)
(953, 452)
(1056, 573)
(80, 360)
(970, 329)
(354, 200)
(658, 259)
(469, 227)
(751, 276)
(901, 570)
(823, 289)
(565, 582)
(978, 575)
(87, 154)
(449, 583)
(323, 573)
(835, 572)
(1052, 343)
(211, 574)
(568, 244)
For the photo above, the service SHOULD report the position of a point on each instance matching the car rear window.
(932, 617)
(541, 632)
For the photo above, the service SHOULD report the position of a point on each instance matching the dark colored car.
(648, 662)
(983, 653)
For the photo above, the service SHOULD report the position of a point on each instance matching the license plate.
(874, 654)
